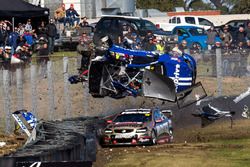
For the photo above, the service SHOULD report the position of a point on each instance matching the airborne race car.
(138, 126)
(124, 72)
(121, 72)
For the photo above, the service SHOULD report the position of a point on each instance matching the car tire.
(171, 135)
(153, 138)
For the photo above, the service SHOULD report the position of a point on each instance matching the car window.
(143, 117)
(236, 24)
(197, 31)
(180, 31)
(204, 22)
(173, 20)
(105, 24)
(144, 24)
(190, 20)
(178, 20)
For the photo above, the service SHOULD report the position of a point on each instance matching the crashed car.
(118, 72)
(121, 72)
(138, 127)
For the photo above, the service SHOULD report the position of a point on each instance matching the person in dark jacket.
(51, 33)
(72, 16)
(42, 53)
(42, 31)
(12, 40)
(241, 36)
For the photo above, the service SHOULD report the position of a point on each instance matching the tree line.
(226, 6)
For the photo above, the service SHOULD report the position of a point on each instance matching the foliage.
(241, 6)
(162, 5)
(226, 6)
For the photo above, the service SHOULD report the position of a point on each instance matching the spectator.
(84, 22)
(72, 15)
(160, 46)
(226, 37)
(51, 33)
(43, 58)
(20, 28)
(28, 26)
(3, 34)
(60, 14)
(241, 36)
(84, 48)
(12, 40)
(183, 45)
(211, 34)
(28, 36)
(248, 34)
(248, 44)
(150, 46)
(42, 31)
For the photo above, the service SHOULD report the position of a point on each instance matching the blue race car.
(193, 35)
(121, 72)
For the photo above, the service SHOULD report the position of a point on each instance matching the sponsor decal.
(176, 76)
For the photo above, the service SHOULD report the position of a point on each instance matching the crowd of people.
(231, 40)
(69, 17)
(17, 43)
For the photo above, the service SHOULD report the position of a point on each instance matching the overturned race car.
(121, 72)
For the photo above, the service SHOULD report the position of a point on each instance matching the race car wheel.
(153, 138)
(171, 136)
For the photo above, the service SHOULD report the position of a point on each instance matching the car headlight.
(143, 130)
(108, 131)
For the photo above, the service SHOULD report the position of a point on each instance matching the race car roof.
(137, 111)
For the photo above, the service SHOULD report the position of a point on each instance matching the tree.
(162, 5)
(241, 7)
(196, 5)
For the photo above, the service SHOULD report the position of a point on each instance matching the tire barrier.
(71, 142)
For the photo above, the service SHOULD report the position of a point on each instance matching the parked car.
(113, 25)
(193, 35)
(138, 126)
(185, 21)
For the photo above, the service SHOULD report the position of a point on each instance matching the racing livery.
(118, 72)
(138, 126)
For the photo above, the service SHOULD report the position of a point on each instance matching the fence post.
(219, 71)
(33, 82)
(7, 99)
(66, 87)
(51, 91)
(19, 85)
(85, 99)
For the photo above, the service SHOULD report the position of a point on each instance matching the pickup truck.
(185, 21)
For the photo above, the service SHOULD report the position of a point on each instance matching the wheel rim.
(153, 137)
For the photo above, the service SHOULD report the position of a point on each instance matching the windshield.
(145, 25)
(197, 31)
(133, 118)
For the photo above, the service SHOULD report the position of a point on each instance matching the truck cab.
(186, 21)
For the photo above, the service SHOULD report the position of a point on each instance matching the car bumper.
(112, 141)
